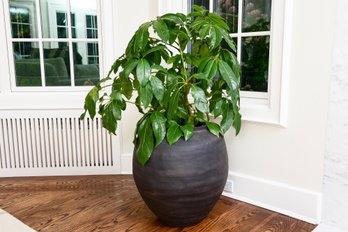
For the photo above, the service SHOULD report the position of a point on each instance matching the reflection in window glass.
(88, 10)
(55, 47)
(202, 3)
(228, 9)
(27, 63)
(87, 69)
(22, 15)
(57, 64)
(255, 61)
(53, 18)
(256, 15)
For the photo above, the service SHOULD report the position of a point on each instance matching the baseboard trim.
(126, 163)
(286, 199)
(327, 228)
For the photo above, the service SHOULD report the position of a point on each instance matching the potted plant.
(185, 74)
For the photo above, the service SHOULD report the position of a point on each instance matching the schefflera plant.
(185, 75)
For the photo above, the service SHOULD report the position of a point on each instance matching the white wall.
(291, 159)
(335, 189)
(129, 15)
(281, 168)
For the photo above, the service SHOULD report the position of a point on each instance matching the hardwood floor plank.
(112, 203)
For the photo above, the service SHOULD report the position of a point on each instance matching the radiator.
(55, 142)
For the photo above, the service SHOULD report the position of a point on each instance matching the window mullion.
(239, 33)
(211, 6)
(71, 52)
(41, 52)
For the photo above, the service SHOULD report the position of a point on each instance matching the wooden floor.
(112, 203)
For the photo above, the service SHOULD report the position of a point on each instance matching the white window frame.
(62, 98)
(40, 40)
(269, 107)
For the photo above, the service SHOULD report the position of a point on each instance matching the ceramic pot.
(182, 182)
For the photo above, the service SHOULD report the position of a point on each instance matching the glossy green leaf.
(161, 29)
(146, 141)
(143, 72)
(158, 126)
(228, 75)
(187, 130)
(109, 121)
(219, 107)
(90, 101)
(141, 37)
(211, 69)
(129, 67)
(213, 128)
(127, 88)
(172, 18)
(200, 100)
(228, 39)
(146, 95)
(157, 88)
(227, 119)
(173, 104)
(174, 133)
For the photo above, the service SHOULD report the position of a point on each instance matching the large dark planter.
(181, 183)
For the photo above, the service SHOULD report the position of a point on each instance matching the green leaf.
(218, 37)
(218, 21)
(227, 119)
(172, 18)
(200, 99)
(187, 130)
(237, 121)
(158, 126)
(220, 105)
(174, 133)
(210, 69)
(228, 39)
(143, 72)
(173, 104)
(212, 38)
(91, 100)
(115, 109)
(127, 89)
(129, 66)
(228, 75)
(161, 29)
(146, 95)
(141, 37)
(204, 31)
(154, 49)
(213, 128)
(146, 141)
(109, 121)
(157, 88)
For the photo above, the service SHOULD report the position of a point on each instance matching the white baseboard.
(327, 228)
(286, 199)
(126, 163)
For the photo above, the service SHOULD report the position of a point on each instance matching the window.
(92, 32)
(54, 43)
(249, 22)
(261, 29)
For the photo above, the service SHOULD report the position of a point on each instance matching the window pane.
(57, 64)
(84, 8)
(54, 17)
(86, 63)
(256, 15)
(27, 63)
(202, 3)
(255, 54)
(23, 19)
(228, 9)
